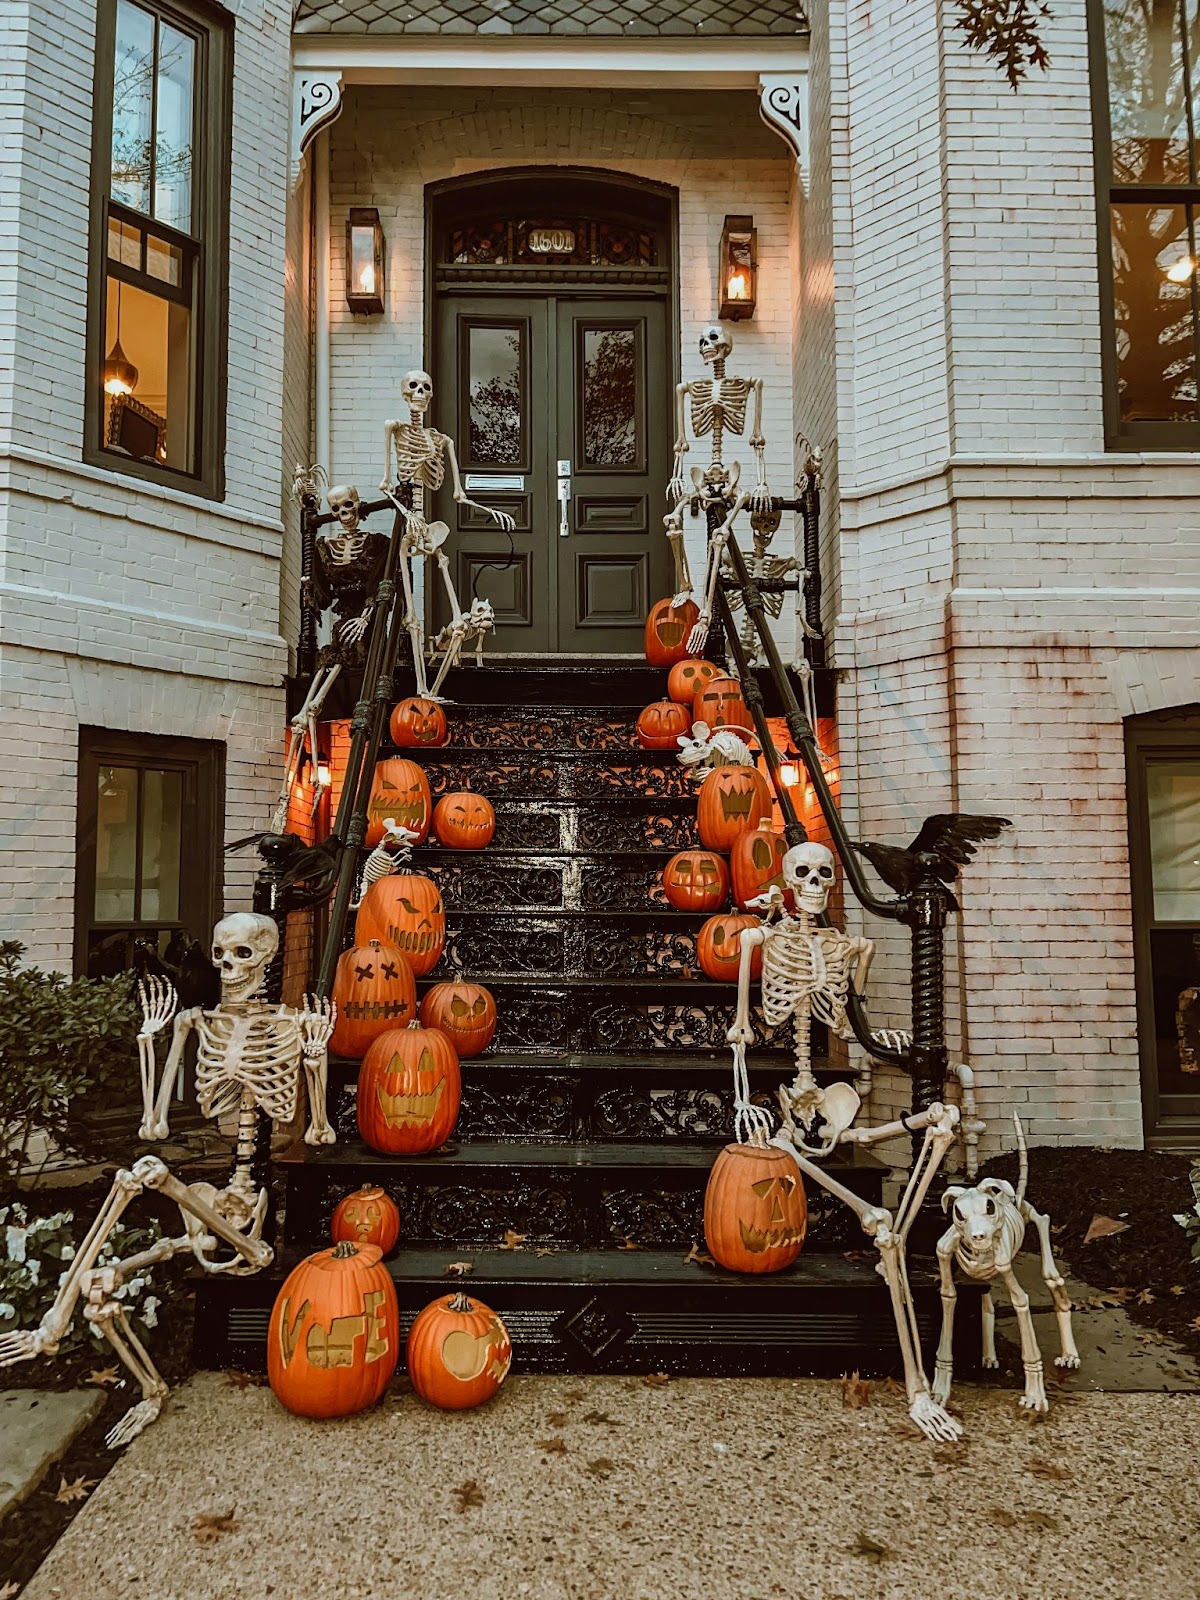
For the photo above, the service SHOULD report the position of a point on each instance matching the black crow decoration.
(296, 862)
(944, 844)
(185, 965)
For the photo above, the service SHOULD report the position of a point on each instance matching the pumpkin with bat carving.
(719, 946)
(399, 790)
(667, 629)
(661, 724)
(696, 880)
(334, 1335)
(416, 722)
(405, 910)
(755, 1213)
(367, 1216)
(464, 820)
(459, 1352)
(733, 800)
(466, 1014)
(686, 679)
(373, 990)
(756, 865)
(409, 1091)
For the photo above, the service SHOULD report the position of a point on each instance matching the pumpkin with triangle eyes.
(373, 990)
(466, 1014)
(686, 679)
(755, 1212)
(464, 820)
(667, 629)
(399, 790)
(719, 946)
(733, 800)
(417, 721)
(696, 880)
(409, 1091)
(405, 910)
(660, 725)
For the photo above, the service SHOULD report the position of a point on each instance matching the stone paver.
(36, 1427)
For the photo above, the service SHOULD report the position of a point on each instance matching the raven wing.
(954, 836)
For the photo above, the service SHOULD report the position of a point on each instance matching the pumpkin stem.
(459, 1302)
(342, 1252)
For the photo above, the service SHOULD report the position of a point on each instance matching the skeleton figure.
(251, 1055)
(392, 855)
(717, 405)
(986, 1230)
(420, 455)
(760, 565)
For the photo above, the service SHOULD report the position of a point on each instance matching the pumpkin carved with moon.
(459, 1353)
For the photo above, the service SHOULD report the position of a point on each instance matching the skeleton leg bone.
(1034, 1398)
(716, 555)
(109, 1316)
(412, 621)
(1069, 1356)
(943, 1371)
(990, 1358)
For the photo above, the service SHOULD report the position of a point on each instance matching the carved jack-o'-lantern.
(755, 1213)
(368, 1216)
(687, 678)
(405, 909)
(660, 725)
(719, 703)
(466, 1014)
(373, 990)
(719, 947)
(458, 1353)
(667, 629)
(464, 821)
(733, 800)
(409, 1091)
(334, 1335)
(696, 880)
(756, 865)
(399, 790)
(417, 721)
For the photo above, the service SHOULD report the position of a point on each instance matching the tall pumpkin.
(719, 947)
(755, 1213)
(733, 800)
(368, 1216)
(416, 721)
(464, 820)
(660, 725)
(719, 703)
(409, 1091)
(696, 880)
(756, 865)
(458, 1353)
(399, 790)
(405, 910)
(334, 1335)
(465, 1013)
(373, 990)
(667, 629)
(686, 679)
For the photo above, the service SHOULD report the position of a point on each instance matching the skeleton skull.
(808, 872)
(243, 946)
(715, 344)
(417, 389)
(344, 503)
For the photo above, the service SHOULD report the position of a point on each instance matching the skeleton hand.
(352, 631)
(158, 1001)
(759, 498)
(767, 903)
(317, 1019)
(699, 634)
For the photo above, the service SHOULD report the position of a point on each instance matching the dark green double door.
(560, 409)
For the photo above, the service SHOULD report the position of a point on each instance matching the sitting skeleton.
(251, 1057)
(764, 567)
(987, 1227)
(417, 454)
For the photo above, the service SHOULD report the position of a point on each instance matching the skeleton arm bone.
(741, 1033)
(317, 1020)
(760, 495)
(159, 1127)
(389, 438)
(502, 518)
(675, 489)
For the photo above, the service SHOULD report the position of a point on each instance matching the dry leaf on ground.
(656, 1380)
(890, 1386)
(557, 1419)
(597, 1417)
(1177, 1288)
(555, 1447)
(1146, 1298)
(1041, 1468)
(1042, 1520)
(602, 1467)
(209, 1526)
(697, 1256)
(864, 1545)
(77, 1489)
(951, 1454)
(468, 1494)
(1102, 1227)
(630, 1244)
(907, 1430)
(457, 1269)
(856, 1391)
(1001, 1517)
(104, 1375)
(1194, 1324)
(540, 1253)
(572, 1395)
(246, 1380)
(513, 1240)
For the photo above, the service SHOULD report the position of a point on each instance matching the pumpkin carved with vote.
(458, 1353)
(755, 1213)
(667, 629)
(399, 790)
(334, 1335)
(409, 1091)
(405, 910)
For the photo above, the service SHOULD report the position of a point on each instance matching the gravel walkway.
(618, 1489)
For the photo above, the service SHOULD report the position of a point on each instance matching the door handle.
(564, 499)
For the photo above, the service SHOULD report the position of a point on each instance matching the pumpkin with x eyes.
(466, 1014)
(755, 1212)
(373, 990)
(405, 910)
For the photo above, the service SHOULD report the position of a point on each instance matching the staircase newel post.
(306, 650)
(715, 512)
(926, 912)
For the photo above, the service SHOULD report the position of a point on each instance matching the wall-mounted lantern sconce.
(739, 269)
(364, 260)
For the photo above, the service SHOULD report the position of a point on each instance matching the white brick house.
(1010, 572)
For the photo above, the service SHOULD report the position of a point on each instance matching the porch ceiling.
(572, 18)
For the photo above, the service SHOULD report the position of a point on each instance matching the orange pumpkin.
(368, 1216)
(409, 1091)
(719, 946)
(755, 1213)
(399, 790)
(696, 880)
(667, 629)
(334, 1335)
(417, 721)
(719, 703)
(464, 821)
(660, 724)
(405, 910)
(756, 864)
(459, 1352)
(466, 1014)
(733, 800)
(373, 990)
(686, 679)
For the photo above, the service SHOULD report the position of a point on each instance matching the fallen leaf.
(864, 1545)
(951, 1454)
(1102, 1227)
(103, 1375)
(697, 1256)
(513, 1241)
(1119, 1292)
(602, 1467)
(1150, 1336)
(1194, 1324)
(78, 1489)
(468, 1494)
(907, 1430)
(572, 1395)
(209, 1526)
(10, 1589)
(246, 1380)
(598, 1417)
(1058, 1227)
(856, 1391)
(656, 1380)
(540, 1253)
(1042, 1520)
(555, 1447)
(557, 1419)
(1146, 1297)
(858, 1255)
(890, 1386)
(1177, 1288)
(1001, 1517)
(457, 1269)
(1039, 1467)
(630, 1244)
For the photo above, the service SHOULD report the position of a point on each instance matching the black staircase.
(588, 1129)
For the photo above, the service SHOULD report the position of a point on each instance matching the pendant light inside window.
(120, 374)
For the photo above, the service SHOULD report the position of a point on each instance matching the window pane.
(116, 844)
(162, 811)
(133, 97)
(1147, 90)
(163, 260)
(610, 397)
(148, 410)
(1173, 799)
(1153, 289)
(173, 134)
(1175, 976)
(494, 368)
(124, 243)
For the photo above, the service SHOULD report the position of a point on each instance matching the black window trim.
(213, 29)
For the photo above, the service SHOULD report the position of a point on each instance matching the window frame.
(212, 114)
(201, 883)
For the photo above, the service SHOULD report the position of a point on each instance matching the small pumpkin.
(755, 1212)
(756, 865)
(399, 790)
(733, 800)
(466, 1014)
(696, 880)
(463, 820)
(660, 725)
(373, 990)
(719, 946)
(667, 629)
(459, 1352)
(416, 721)
(334, 1335)
(368, 1216)
(719, 703)
(405, 910)
(686, 679)
(409, 1091)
